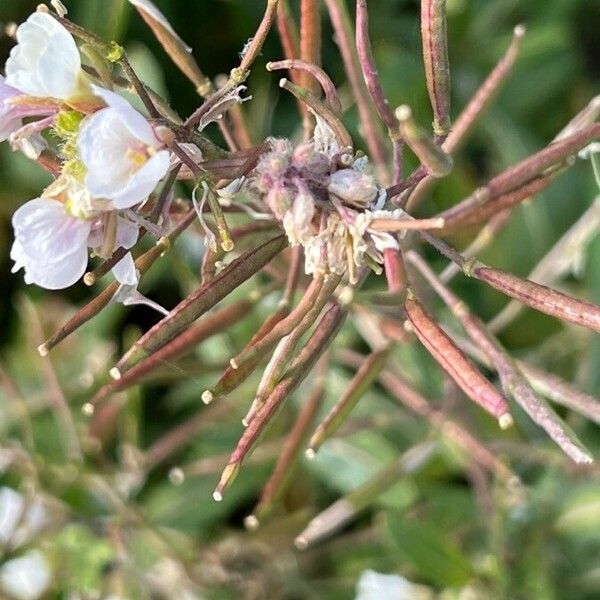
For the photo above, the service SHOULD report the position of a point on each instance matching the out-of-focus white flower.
(297, 221)
(50, 244)
(26, 577)
(20, 520)
(121, 153)
(45, 62)
(376, 586)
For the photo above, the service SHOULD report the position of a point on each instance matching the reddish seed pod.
(454, 362)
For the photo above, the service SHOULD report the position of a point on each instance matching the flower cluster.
(325, 199)
(110, 159)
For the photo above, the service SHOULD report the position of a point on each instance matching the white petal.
(143, 181)
(45, 62)
(129, 296)
(11, 508)
(46, 231)
(127, 233)
(26, 577)
(31, 146)
(112, 100)
(60, 275)
(50, 244)
(125, 272)
(136, 123)
(9, 122)
(103, 144)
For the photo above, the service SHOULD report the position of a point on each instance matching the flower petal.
(125, 272)
(143, 182)
(46, 61)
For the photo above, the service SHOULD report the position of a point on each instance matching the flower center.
(139, 156)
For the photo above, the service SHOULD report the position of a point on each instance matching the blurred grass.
(539, 542)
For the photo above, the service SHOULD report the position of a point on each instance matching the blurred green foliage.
(441, 525)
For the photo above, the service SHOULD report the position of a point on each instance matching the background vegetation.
(120, 523)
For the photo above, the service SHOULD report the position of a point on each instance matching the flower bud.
(353, 187)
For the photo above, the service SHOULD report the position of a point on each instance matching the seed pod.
(179, 52)
(362, 380)
(542, 298)
(437, 68)
(202, 300)
(455, 363)
(322, 336)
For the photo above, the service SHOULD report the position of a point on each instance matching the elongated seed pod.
(360, 383)
(437, 67)
(202, 300)
(178, 346)
(322, 336)
(277, 483)
(542, 298)
(513, 381)
(455, 363)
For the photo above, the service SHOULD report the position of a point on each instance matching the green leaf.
(428, 548)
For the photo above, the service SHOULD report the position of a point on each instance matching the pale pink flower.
(121, 153)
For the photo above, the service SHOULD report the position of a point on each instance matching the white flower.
(297, 221)
(53, 233)
(19, 521)
(26, 577)
(10, 121)
(45, 62)
(121, 153)
(377, 586)
(50, 244)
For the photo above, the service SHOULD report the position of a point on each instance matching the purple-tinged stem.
(321, 109)
(319, 75)
(345, 39)
(432, 157)
(371, 78)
